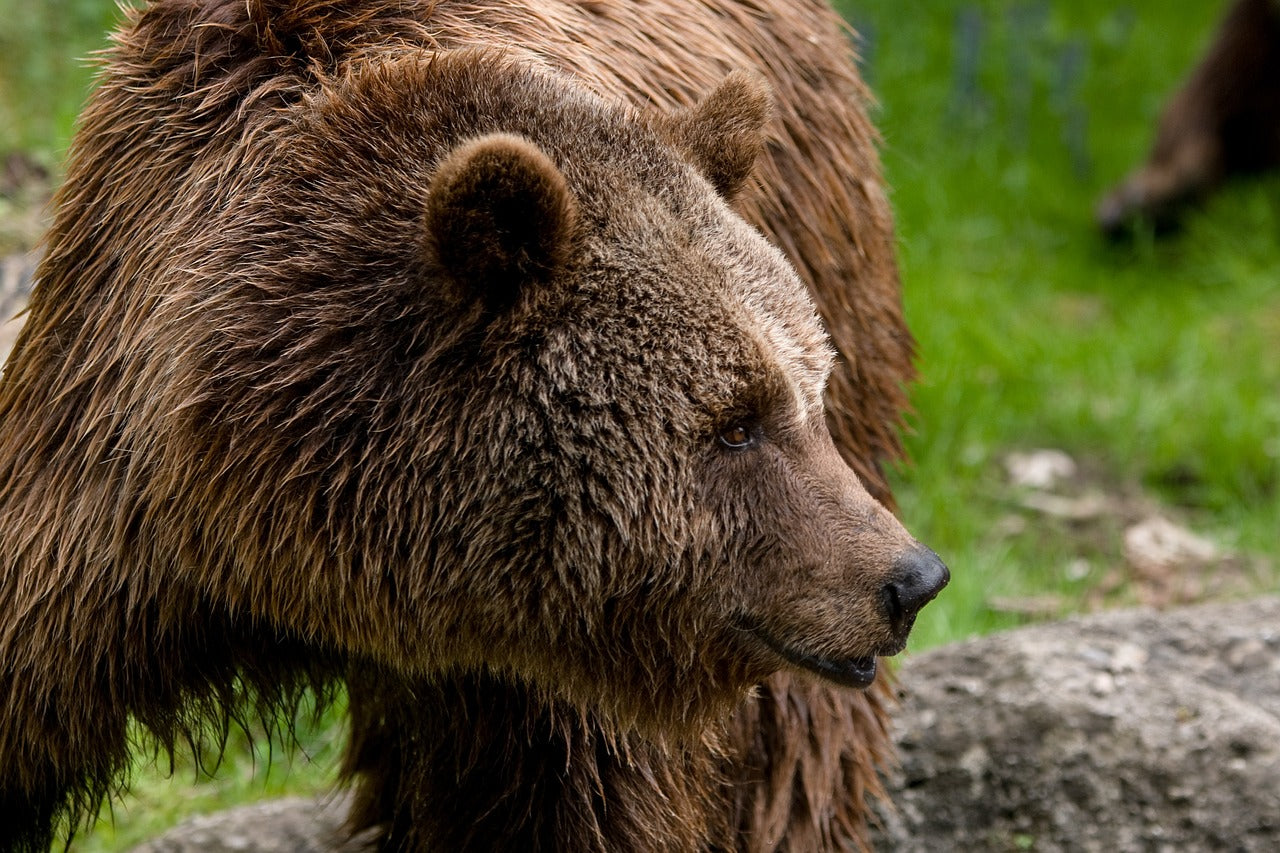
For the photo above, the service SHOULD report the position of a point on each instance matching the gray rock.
(1131, 730)
(16, 280)
(292, 825)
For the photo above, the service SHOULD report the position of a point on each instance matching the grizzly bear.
(1223, 122)
(428, 349)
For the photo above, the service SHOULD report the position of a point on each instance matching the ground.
(1126, 546)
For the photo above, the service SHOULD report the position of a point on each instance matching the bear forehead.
(701, 306)
(772, 308)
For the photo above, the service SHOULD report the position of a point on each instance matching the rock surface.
(1131, 730)
(1126, 731)
(292, 825)
(15, 286)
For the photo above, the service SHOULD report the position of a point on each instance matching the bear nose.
(917, 577)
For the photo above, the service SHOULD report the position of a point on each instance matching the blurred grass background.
(1153, 363)
(44, 73)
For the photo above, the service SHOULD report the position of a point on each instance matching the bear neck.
(475, 763)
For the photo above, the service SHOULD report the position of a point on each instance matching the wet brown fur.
(487, 760)
(1223, 122)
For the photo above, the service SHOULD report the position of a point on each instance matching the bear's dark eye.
(737, 436)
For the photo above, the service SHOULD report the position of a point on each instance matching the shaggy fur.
(1224, 121)
(388, 342)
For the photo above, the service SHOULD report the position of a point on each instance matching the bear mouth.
(856, 672)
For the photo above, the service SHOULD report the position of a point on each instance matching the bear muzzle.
(915, 578)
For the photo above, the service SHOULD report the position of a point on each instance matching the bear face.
(552, 407)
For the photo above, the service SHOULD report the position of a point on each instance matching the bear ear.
(499, 215)
(724, 133)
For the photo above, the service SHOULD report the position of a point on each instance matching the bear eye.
(737, 436)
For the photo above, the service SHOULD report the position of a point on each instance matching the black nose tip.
(917, 577)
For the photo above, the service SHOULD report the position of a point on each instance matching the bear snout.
(917, 577)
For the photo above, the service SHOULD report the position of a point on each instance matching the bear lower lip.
(854, 672)
(848, 672)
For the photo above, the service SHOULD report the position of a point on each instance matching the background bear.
(276, 219)
(1223, 122)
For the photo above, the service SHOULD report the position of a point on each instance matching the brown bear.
(415, 346)
(1223, 122)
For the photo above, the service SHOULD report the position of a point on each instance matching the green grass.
(1156, 364)
(251, 769)
(44, 72)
